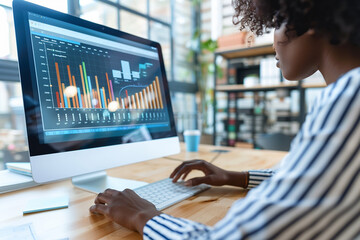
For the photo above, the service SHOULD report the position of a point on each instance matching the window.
(133, 24)
(138, 5)
(98, 12)
(7, 39)
(160, 9)
(185, 111)
(170, 22)
(13, 146)
(162, 34)
(12, 128)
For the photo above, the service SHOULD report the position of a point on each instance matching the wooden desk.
(76, 222)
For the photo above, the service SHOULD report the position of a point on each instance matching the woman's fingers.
(185, 174)
(180, 166)
(184, 168)
(198, 180)
(102, 198)
(111, 192)
(188, 167)
(99, 209)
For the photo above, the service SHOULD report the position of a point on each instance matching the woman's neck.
(338, 60)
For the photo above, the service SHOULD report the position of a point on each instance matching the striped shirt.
(313, 194)
(258, 176)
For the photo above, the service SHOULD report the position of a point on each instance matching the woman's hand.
(213, 175)
(125, 208)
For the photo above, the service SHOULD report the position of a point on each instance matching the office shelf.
(242, 88)
(313, 85)
(231, 52)
(231, 123)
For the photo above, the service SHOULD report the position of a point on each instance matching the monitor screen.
(93, 89)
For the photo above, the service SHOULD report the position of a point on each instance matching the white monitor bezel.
(48, 167)
(57, 166)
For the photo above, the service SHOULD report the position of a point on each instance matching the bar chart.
(81, 86)
(127, 75)
(74, 95)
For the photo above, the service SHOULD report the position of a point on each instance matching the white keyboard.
(165, 193)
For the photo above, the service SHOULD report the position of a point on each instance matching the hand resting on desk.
(125, 208)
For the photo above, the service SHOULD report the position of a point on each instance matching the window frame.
(9, 68)
(174, 84)
(9, 72)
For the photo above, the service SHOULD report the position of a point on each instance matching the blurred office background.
(237, 100)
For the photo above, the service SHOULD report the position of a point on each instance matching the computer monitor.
(94, 98)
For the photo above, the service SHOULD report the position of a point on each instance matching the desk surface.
(75, 222)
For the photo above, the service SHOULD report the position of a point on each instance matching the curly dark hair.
(338, 20)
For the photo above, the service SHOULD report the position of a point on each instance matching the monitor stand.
(99, 181)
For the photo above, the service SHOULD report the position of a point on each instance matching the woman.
(315, 191)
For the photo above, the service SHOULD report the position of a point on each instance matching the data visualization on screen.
(94, 85)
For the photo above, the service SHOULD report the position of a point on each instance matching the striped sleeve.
(168, 227)
(258, 176)
(315, 191)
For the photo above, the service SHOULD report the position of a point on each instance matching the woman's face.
(298, 56)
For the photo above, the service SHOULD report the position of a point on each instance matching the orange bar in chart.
(71, 84)
(125, 103)
(99, 97)
(107, 79)
(59, 83)
(63, 90)
(97, 88)
(93, 93)
(145, 99)
(82, 100)
(156, 95)
(58, 99)
(133, 102)
(85, 105)
(159, 92)
(152, 96)
(76, 96)
(117, 100)
(137, 100)
(86, 100)
(95, 98)
(149, 97)
(141, 100)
